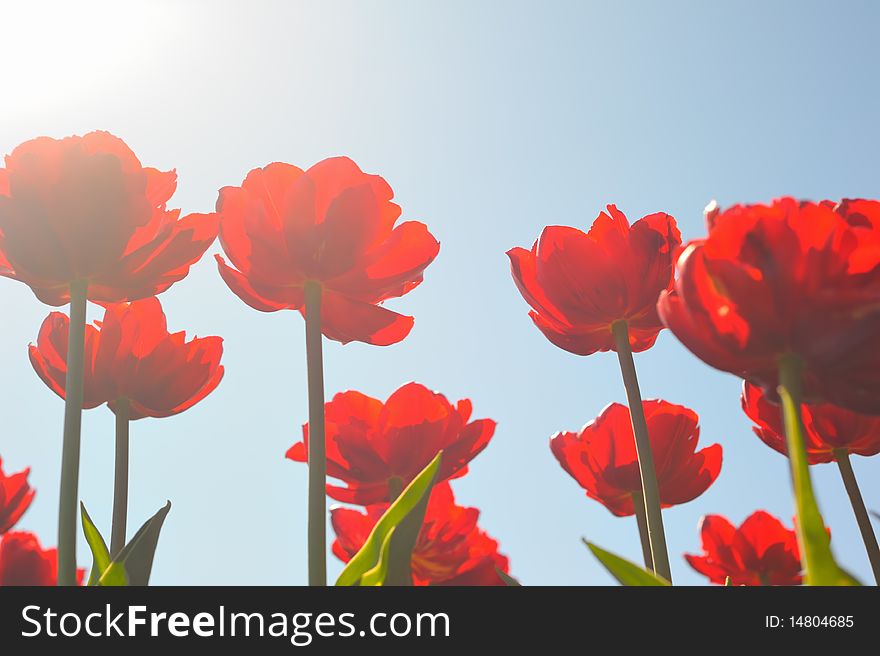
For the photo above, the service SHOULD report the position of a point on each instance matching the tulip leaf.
(413, 500)
(626, 572)
(100, 552)
(406, 536)
(507, 578)
(379, 574)
(820, 568)
(114, 576)
(727, 582)
(133, 565)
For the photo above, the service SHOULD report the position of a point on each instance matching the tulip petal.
(760, 552)
(591, 340)
(264, 299)
(16, 496)
(450, 550)
(346, 320)
(523, 267)
(393, 268)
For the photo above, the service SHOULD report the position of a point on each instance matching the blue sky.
(489, 120)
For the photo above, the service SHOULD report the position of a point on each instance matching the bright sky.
(489, 120)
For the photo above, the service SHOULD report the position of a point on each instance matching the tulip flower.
(24, 562)
(324, 242)
(602, 458)
(760, 552)
(785, 296)
(597, 291)
(450, 549)
(580, 284)
(378, 448)
(81, 219)
(790, 279)
(84, 211)
(332, 225)
(15, 497)
(135, 366)
(831, 434)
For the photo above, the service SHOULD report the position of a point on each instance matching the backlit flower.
(760, 552)
(450, 550)
(602, 456)
(332, 224)
(131, 355)
(15, 497)
(24, 562)
(828, 428)
(374, 446)
(789, 278)
(578, 284)
(83, 208)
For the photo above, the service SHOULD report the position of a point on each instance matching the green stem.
(861, 513)
(810, 527)
(317, 521)
(650, 491)
(120, 483)
(642, 523)
(70, 449)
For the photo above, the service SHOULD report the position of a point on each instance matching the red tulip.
(829, 428)
(789, 278)
(450, 550)
(131, 355)
(760, 552)
(24, 562)
(374, 447)
(578, 284)
(83, 208)
(602, 456)
(15, 497)
(333, 224)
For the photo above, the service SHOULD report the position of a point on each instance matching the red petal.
(154, 267)
(352, 529)
(393, 268)
(346, 320)
(266, 299)
(523, 267)
(584, 341)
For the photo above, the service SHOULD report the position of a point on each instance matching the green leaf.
(413, 499)
(626, 572)
(727, 582)
(114, 576)
(820, 568)
(134, 563)
(378, 575)
(100, 552)
(508, 579)
(848, 579)
(406, 535)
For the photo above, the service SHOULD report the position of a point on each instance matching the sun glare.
(56, 50)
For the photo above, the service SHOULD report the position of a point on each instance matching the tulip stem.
(807, 510)
(317, 460)
(650, 491)
(70, 449)
(861, 513)
(120, 483)
(642, 522)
